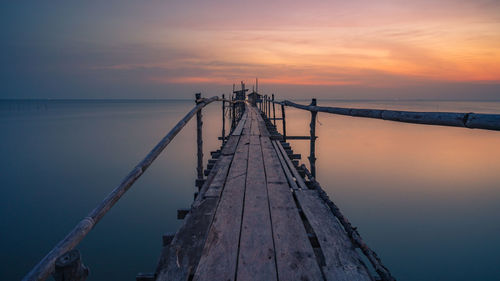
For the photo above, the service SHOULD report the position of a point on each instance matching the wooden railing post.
(283, 121)
(267, 103)
(269, 107)
(264, 104)
(223, 119)
(233, 119)
(199, 142)
(69, 267)
(274, 113)
(312, 153)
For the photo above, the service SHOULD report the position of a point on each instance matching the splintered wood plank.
(256, 254)
(181, 256)
(255, 131)
(219, 257)
(295, 257)
(342, 261)
(284, 167)
(179, 259)
(291, 167)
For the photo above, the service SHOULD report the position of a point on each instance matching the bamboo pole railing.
(46, 266)
(466, 120)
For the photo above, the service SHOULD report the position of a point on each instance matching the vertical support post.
(233, 119)
(264, 104)
(233, 115)
(223, 119)
(199, 142)
(312, 153)
(69, 267)
(268, 107)
(265, 109)
(274, 112)
(241, 99)
(283, 121)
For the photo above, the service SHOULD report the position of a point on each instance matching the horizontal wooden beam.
(279, 137)
(466, 120)
(182, 213)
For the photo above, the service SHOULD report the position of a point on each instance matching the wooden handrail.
(466, 120)
(46, 266)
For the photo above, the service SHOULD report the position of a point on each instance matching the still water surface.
(425, 198)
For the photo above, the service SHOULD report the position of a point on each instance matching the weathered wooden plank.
(342, 261)
(296, 175)
(295, 258)
(256, 254)
(182, 255)
(219, 257)
(247, 126)
(215, 187)
(241, 124)
(230, 146)
(180, 258)
(255, 131)
(284, 167)
(262, 126)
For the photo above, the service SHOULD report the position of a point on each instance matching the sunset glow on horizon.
(387, 43)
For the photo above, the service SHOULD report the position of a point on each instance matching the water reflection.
(58, 163)
(424, 197)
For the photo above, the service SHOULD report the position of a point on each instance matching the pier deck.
(255, 219)
(255, 216)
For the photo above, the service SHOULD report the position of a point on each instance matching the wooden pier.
(258, 214)
(255, 219)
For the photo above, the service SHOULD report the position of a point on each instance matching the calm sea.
(425, 198)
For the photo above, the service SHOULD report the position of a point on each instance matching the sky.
(358, 49)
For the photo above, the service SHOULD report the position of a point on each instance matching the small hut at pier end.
(254, 97)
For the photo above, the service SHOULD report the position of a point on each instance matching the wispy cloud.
(388, 43)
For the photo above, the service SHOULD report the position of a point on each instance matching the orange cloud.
(385, 44)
